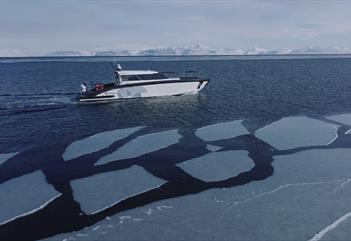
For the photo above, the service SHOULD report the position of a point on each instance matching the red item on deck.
(99, 87)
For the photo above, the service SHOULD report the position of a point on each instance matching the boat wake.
(24, 103)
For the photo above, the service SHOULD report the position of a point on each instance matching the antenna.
(114, 64)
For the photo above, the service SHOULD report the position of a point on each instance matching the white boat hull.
(154, 89)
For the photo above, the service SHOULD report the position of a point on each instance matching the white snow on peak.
(11, 53)
(122, 50)
(255, 51)
(321, 50)
(71, 53)
(228, 51)
(199, 49)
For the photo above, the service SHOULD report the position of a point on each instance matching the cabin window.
(130, 77)
(143, 77)
(152, 76)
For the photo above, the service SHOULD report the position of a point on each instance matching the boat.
(143, 83)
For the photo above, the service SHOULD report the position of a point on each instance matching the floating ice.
(161, 207)
(331, 227)
(295, 203)
(96, 228)
(96, 142)
(343, 119)
(100, 191)
(292, 132)
(224, 130)
(142, 145)
(24, 195)
(314, 165)
(213, 148)
(6, 156)
(337, 230)
(149, 211)
(218, 165)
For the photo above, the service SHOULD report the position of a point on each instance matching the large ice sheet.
(292, 132)
(218, 165)
(335, 231)
(96, 142)
(224, 130)
(142, 145)
(343, 119)
(103, 190)
(24, 194)
(5, 156)
(308, 191)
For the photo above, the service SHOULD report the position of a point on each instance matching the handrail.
(169, 74)
(186, 74)
(191, 74)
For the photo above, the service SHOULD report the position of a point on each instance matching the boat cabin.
(125, 76)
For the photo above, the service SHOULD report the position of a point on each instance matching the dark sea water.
(40, 117)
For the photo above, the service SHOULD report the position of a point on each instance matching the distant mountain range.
(140, 50)
(11, 53)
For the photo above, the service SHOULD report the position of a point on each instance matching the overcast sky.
(41, 26)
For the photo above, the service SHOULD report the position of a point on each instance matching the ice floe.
(292, 132)
(295, 203)
(224, 130)
(343, 119)
(213, 148)
(6, 156)
(24, 195)
(143, 145)
(217, 166)
(103, 190)
(96, 142)
(304, 169)
(330, 227)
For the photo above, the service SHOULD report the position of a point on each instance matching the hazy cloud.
(41, 26)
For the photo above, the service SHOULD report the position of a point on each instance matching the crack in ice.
(342, 185)
(330, 227)
(286, 186)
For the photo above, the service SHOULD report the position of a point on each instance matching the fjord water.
(262, 153)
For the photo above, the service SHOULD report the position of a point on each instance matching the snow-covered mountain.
(140, 50)
(11, 53)
(319, 50)
(206, 50)
(122, 50)
(143, 50)
(69, 53)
